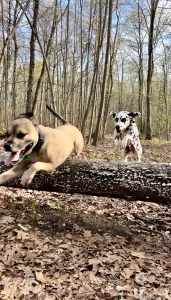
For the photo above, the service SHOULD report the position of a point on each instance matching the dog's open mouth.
(19, 155)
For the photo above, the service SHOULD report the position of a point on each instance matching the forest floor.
(72, 246)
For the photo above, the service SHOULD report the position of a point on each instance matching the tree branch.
(12, 32)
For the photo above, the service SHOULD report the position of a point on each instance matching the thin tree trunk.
(12, 31)
(81, 64)
(32, 57)
(95, 139)
(113, 52)
(140, 70)
(7, 67)
(46, 56)
(14, 92)
(165, 93)
(96, 64)
(153, 8)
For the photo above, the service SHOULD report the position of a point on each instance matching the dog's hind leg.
(78, 144)
(137, 155)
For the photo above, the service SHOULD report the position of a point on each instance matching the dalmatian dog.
(126, 134)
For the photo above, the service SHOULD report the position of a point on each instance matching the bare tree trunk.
(81, 64)
(102, 100)
(113, 52)
(91, 122)
(7, 67)
(165, 93)
(140, 68)
(153, 8)
(32, 58)
(12, 31)
(88, 57)
(49, 44)
(14, 92)
(101, 25)
(65, 64)
(44, 59)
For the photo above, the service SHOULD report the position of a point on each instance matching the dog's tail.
(56, 115)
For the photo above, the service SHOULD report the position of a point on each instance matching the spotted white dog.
(126, 134)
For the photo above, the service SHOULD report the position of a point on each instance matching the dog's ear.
(29, 116)
(112, 113)
(134, 114)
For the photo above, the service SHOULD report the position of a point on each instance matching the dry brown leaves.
(59, 246)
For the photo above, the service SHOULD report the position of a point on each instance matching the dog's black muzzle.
(8, 146)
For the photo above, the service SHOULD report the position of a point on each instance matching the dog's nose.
(117, 128)
(7, 146)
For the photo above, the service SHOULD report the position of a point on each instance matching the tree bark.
(14, 74)
(49, 44)
(100, 37)
(5, 44)
(32, 57)
(103, 91)
(148, 182)
(150, 70)
(140, 66)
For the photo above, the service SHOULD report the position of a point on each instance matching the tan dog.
(41, 147)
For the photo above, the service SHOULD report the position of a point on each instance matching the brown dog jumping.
(41, 148)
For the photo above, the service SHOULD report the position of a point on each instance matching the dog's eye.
(116, 119)
(20, 135)
(123, 120)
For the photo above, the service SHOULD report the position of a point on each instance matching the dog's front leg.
(28, 175)
(138, 151)
(14, 172)
(117, 144)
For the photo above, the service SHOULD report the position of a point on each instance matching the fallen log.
(132, 181)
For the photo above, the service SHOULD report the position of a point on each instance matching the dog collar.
(40, 142)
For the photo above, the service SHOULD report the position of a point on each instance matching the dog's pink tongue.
(13, 157)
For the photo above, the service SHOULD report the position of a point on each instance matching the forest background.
(85, 58)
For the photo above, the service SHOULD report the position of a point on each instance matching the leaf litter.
(76, 252)
(71, 246)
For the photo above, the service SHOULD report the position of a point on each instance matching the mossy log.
(132, 181)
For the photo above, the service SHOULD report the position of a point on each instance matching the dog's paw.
(4, 178)
(139, 160)
(26, 178)
(25, 181)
